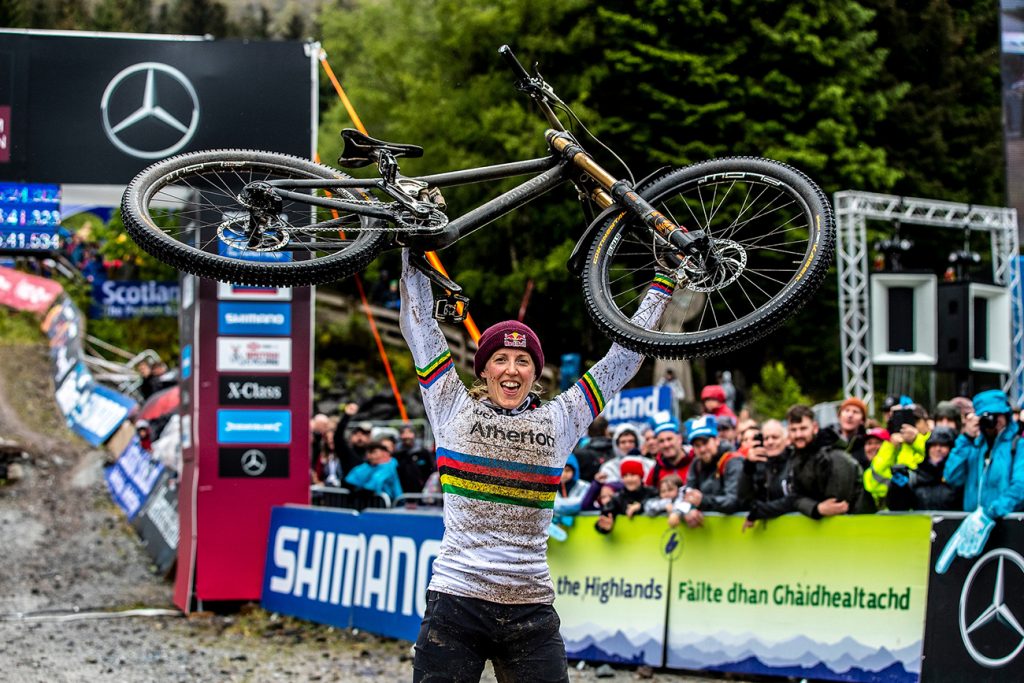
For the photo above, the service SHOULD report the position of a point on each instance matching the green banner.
(611, 592)
(842, 598)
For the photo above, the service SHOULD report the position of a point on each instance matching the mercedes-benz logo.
(150, 110)
(997, 610)
(254, 462)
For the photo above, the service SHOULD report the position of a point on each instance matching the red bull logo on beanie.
(515, 340)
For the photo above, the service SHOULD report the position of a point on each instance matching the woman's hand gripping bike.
(747, 240)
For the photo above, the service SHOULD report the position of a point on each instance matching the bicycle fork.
(612, 190)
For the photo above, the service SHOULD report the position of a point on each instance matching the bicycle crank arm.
(418, 261)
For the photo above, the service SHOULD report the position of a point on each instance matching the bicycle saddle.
(359, 149)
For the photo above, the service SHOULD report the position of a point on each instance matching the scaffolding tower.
(853, 210)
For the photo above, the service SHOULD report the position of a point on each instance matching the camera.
(987, 421)
(900, 417)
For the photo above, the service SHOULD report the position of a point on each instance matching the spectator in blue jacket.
(981, 461)
(378, 474)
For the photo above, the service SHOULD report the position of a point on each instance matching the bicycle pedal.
(446, 309)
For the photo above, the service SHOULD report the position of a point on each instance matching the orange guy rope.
(471, 327)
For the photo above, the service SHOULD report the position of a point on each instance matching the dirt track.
(68, 559)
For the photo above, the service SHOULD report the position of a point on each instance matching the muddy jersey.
(500, 469)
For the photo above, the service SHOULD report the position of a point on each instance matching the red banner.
(27, 292)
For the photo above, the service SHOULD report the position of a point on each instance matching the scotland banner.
(644, 404)
(134, 299)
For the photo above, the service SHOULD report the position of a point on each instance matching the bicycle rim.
(187, 212)
(771, 230)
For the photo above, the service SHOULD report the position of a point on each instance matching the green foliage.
(136, 264)
(776, 392)
(945, 136)
(123, 15)
(19, 327)
(793, 81)
(435, 79)
(347, 360)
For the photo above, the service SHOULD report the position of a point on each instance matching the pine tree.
(945, 136)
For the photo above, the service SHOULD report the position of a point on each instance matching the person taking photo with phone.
(986, 460)
(909, 430)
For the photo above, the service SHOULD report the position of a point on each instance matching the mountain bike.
(747, 240)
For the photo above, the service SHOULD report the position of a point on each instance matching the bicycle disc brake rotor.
(235, 232)
(732, 259)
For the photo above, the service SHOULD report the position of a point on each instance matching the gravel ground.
(69, 562)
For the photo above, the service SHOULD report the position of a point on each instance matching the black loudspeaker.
(954, 326)
(974, 331)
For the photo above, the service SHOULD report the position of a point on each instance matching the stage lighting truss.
(853, 210)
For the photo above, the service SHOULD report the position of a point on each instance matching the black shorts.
(459, 635)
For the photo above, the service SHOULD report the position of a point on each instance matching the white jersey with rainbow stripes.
(499, 472)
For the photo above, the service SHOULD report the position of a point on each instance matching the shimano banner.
(94, 108)
(975, 626)
(367, 571)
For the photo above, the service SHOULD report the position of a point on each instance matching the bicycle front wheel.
(187, 211)
(772, 233)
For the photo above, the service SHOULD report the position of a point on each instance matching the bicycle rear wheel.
(771, 229)
(186, 212)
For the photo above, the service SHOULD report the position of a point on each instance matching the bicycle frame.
(548, 172)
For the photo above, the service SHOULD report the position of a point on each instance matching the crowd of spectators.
(959, 456)
(372, 458)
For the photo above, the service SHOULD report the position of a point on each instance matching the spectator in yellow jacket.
(908, 434)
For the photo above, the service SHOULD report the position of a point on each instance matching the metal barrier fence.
(338, 497)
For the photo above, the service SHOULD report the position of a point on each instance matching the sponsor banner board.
(232, 252)
(132, 478)
(157, 523)
(72, 387)
(253, 354)
(254, 426)
(643, 404)
(135, 299)
(99, 412)
(186, 361)
(253, 390)
(611, 591)
(253, 462)
(26, 292)
(254, 319)
(97, 108)
(798, 595)
(227, 291)
(801, 598)
(367, 571)
(975, 627)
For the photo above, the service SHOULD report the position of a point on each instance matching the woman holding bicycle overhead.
(500, 453)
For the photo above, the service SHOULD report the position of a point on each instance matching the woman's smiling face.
(509, 374)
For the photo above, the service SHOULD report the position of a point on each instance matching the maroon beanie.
(510, 334)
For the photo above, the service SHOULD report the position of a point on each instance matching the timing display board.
(29, 218)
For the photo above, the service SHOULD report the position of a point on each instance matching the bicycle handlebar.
(534, 87)
(506, 52)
